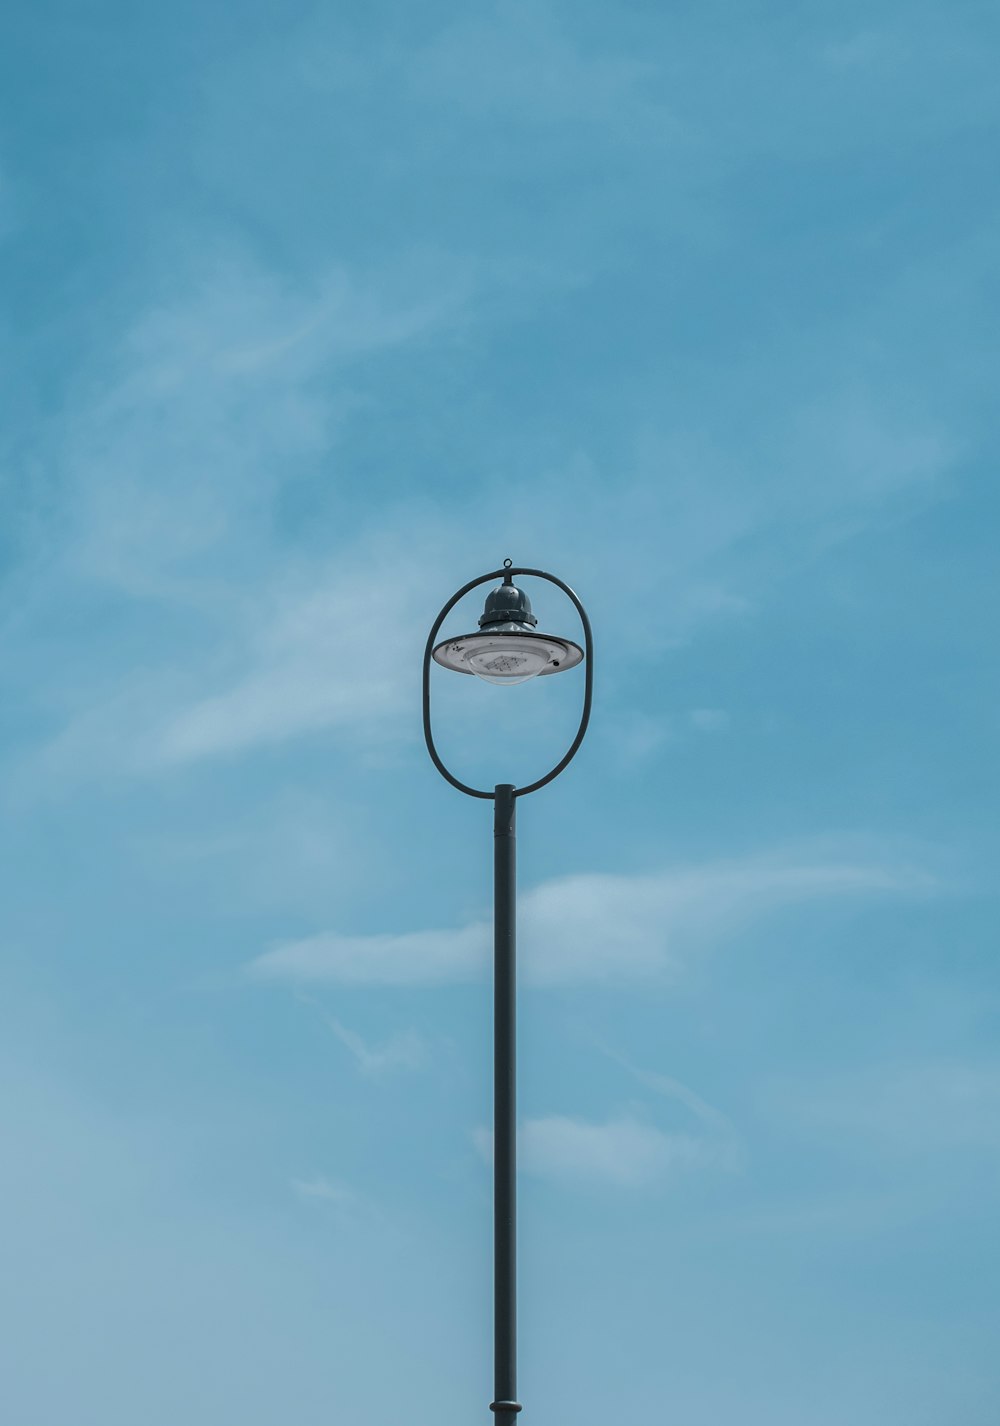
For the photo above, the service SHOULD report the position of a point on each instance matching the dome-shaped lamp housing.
(508, 649)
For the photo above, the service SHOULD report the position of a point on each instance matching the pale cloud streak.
(625, 1150)
(165, 470)
(711, 1119)
(321, 647)
(403, 1051)
(939, 1106)
(173, 455)
(622, 1152)
(409, 958)
(214, 396)
(173, 458)
(338, 655)
(324, 1190)
(520, 63)
(709, 720)
(592, 927)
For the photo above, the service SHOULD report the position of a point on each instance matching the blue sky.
(310, 316)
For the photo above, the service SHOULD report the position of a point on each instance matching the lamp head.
(508, 649)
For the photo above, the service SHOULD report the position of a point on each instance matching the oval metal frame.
(588, 692)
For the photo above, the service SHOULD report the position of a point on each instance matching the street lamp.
(507, 649)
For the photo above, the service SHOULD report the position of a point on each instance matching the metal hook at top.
(507, 579)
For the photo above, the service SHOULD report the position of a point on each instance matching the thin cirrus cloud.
(172, 458)
(404, 1051)
(323, 1189)
(335, 656)
(591, 927)
(171, 461)
(621, 1152)
(212, 399)
(939, 1107)
(314, 650)
(625, 1151)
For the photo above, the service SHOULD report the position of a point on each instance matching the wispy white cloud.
(322, 648)
(323, 1189)
(627, 1149)
(341, 654)
(519, 63)
(273, 856)
(163, 477)
(215, 394)
(634, 735)
(709, 720)
(711, 1119)
(621, 1152)
(403, 1051)
(171, 458)
(592, 927)
(939, 1106)
(409, 958)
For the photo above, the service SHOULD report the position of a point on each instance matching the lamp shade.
(508, 649)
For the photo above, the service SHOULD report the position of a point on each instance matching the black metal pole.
(505, 1405)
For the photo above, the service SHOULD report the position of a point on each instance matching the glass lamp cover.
(504, 658)
(508, 656)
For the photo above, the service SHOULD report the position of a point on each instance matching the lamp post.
(507, 649)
